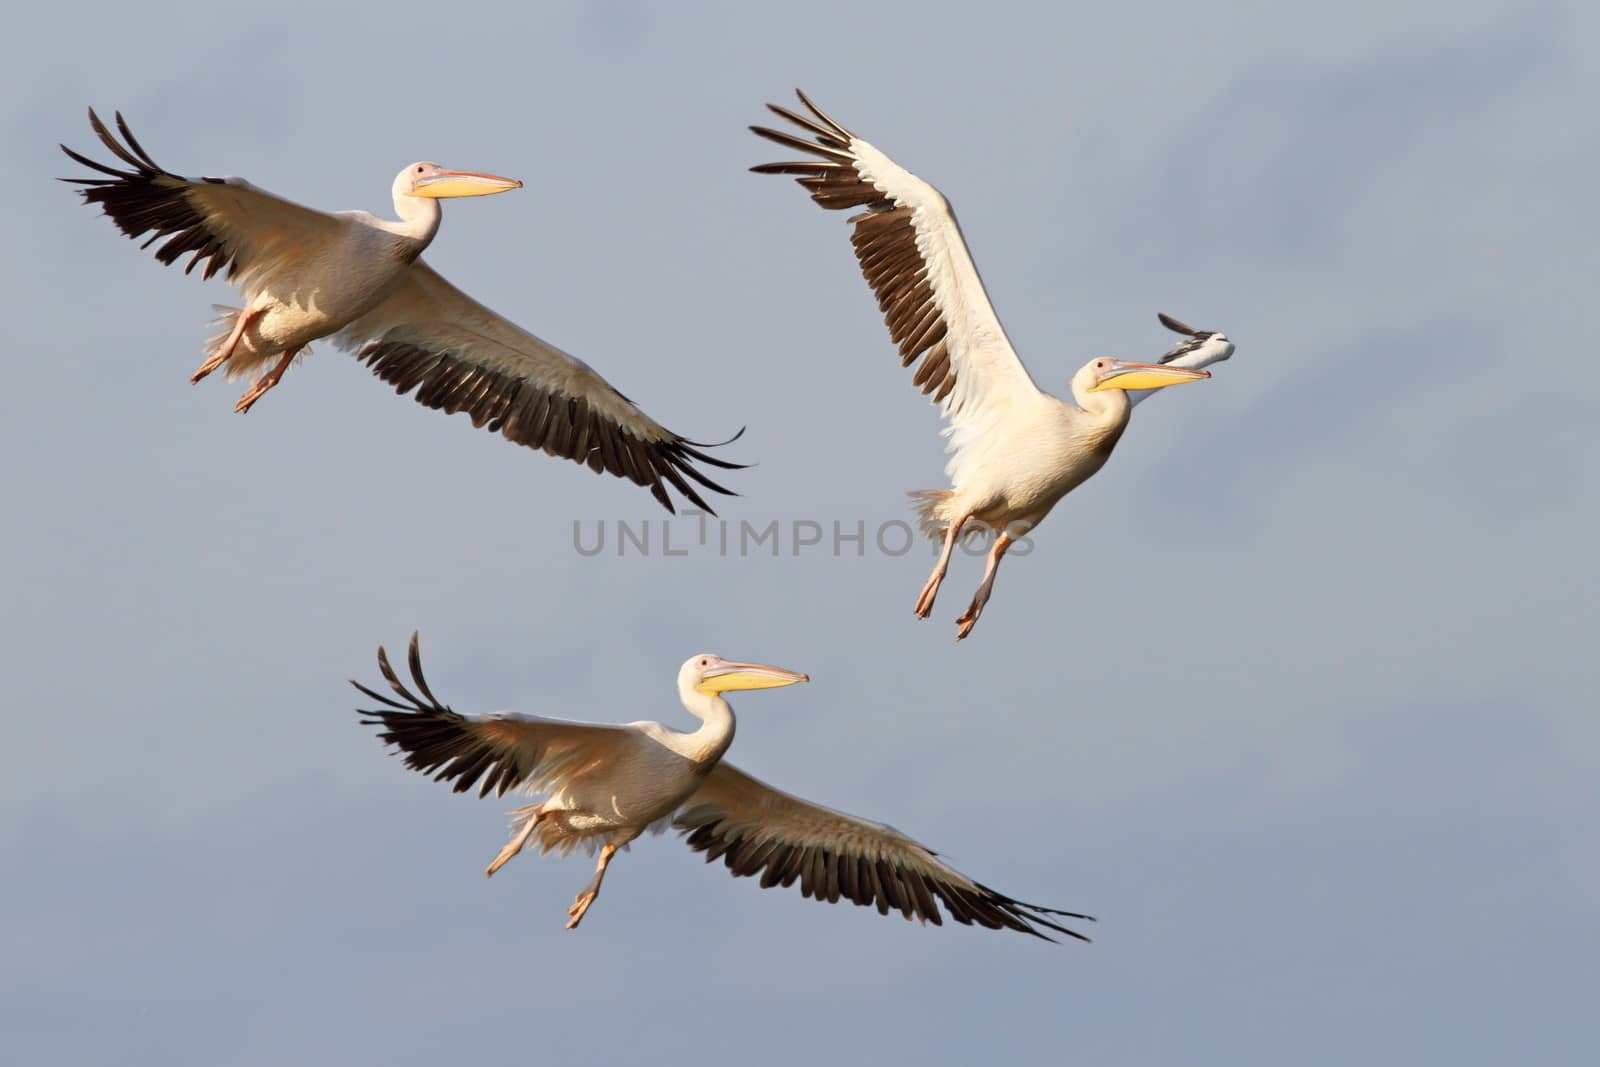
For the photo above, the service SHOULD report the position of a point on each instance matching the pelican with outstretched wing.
(605, 785)
(1015, 449)
(358, 280)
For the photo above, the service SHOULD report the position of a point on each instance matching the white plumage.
(605, 785)
(1014, 449)
(359, 280)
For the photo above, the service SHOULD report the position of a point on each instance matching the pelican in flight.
(357, 280)
(605, 785)
(1015, 449)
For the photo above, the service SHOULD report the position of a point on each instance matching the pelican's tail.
(933, 508)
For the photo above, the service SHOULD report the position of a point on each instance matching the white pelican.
(1015, 450)
(357, 279)
(607, 784)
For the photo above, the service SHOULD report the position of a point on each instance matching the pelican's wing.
(1199, 348)
(224, 223)
(504, 751)
(460, 356)
(757, 829)
(914, 257)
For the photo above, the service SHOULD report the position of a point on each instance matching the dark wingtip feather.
(724, 464)
(133, 143)
(414, 660)
(817, 111)
(535, 416)
(693, 448)
(886, 884)
(800, 144)
(822, 133)
(86, 161)
(718, 444)
(146, 201)
(808, 170)
(1175, 326)
(379, 697)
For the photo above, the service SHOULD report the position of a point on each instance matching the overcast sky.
(1298, 696)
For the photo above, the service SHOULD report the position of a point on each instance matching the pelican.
(1015, 450)
(605, 785)
(357, 280)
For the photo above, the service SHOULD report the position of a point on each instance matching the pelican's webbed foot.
(580, 904)
(264, 383)
(224, 351)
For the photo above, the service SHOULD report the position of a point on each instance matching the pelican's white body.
(648, 771)
(336, 283)
(1012, 467)
(1031, 452)
(1037, 448)
(317, 273)
(644, 781)
(1015, 450)
(606, 785)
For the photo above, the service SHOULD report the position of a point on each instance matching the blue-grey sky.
(1298, 696)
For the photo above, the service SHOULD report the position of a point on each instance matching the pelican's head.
(1106, 373)
(710, 674)
(434, 182)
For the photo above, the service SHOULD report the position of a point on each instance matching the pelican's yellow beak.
(1122, 375)
(449, 183)
(724, 677)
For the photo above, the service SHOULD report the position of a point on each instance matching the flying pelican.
(356, 279)
(1015, 450)
(605, 785)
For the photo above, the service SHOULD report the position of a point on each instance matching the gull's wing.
(223, 223)
(505, 751)
(758, 829)
(460, 356)
(1199, 348)
(914, 257)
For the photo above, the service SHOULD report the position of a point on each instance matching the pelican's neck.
(707, 744)
(419, 218)
(1108, 407)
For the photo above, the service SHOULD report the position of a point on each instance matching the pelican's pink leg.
(224, 350)
(263, 383)
(581, 904)
(969, 619)
(514, 846)
(930, 589)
